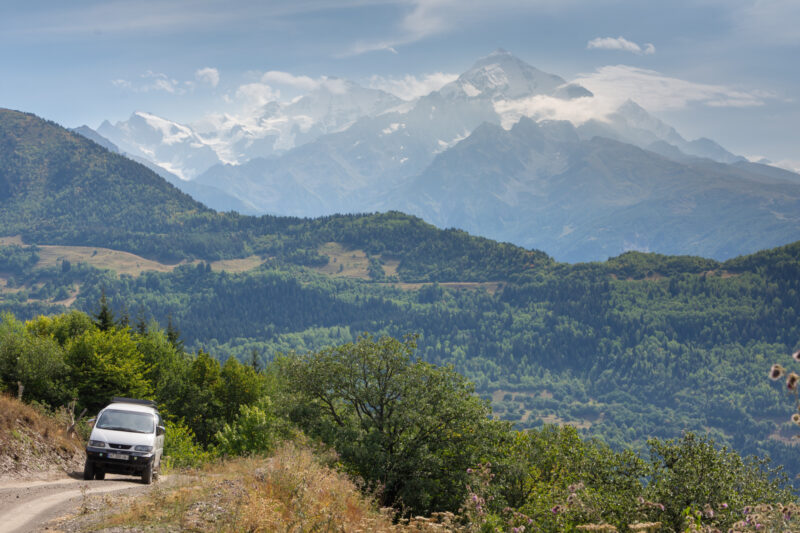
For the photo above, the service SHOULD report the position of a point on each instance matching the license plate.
(118, 456)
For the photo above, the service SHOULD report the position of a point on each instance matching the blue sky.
(724, 69)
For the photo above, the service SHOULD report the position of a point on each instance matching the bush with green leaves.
(255, 431)
(181, 449)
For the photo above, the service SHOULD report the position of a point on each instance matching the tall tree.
(174, 334)
(105, 316)
(407, 427)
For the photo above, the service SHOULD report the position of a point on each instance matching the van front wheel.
(147, 475)
(88, 470)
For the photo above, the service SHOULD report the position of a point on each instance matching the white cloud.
(123, 84)
(792, 165)
(614, 85)
(154, 81)
(656, 92)
(541, 107)
(620, 43)
(304, 83)
(256, 95)
(207, 75)
(411, 87)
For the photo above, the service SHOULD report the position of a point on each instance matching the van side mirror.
(160, 430)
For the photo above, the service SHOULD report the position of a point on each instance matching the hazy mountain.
(92, 135)
(542, 186)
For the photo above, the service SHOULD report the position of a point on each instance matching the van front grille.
(120, 446)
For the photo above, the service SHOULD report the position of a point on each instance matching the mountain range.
(485, 153)
(639, 346)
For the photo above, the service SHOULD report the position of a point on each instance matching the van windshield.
(132, 421)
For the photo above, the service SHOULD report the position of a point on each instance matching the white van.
(127, 438)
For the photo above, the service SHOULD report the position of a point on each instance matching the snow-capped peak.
(501, 75)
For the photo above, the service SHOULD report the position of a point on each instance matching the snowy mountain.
(187, 150)
(505, 150)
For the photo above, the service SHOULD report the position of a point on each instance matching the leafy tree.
(407, 427)
(63, 328)
(200, 407)
(239, 385)
(107, 363)
(35, 361)
(560, 480)
(692, 473)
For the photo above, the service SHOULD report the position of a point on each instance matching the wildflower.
(723, 506)
(776, 372)
(556, 509)
(469, 470)
(640, 500)
(796, 418)
(796, 355)
(792, 380)
(708, 511)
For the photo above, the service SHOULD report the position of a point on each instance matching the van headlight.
(141, 448)
(97, 444)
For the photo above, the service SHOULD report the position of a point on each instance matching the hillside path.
(30, 505)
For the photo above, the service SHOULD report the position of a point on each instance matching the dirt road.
(28, 506)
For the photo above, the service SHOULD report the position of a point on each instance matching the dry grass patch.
(236, 266)
(11, 241)
(120, 262)
(343, 262)
(291, 491)
(489, 286)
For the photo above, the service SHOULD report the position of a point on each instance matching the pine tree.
(141, 323)
(124, 318)
(254, 360)
(105, 317)
(174, 335)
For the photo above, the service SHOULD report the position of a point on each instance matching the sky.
(728, 70)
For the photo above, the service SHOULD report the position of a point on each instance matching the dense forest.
(637, 347)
